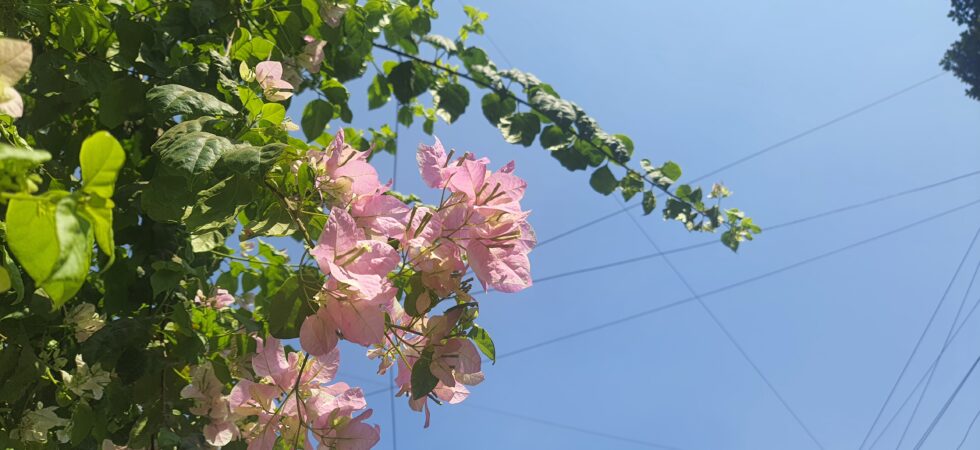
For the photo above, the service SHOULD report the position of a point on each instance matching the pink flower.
(269, 76)
(498, 252)
(292, 396)
(220, 300)
(206, 391)
(343, 253)
(381, 216)
(353, 434)
(344, 173)
(457, 361)
(312, 57)
(344, 313)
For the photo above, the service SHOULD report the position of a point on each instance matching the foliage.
(127, 315)
(963, 57)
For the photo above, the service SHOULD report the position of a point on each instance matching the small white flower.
(87, 382)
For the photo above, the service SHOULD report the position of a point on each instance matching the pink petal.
(268, 70)
(318, 334)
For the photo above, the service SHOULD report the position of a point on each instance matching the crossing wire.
(567, 427)
(922, 379)
(770, 228)
(949, 401)
(762, 151)
(918, 342)
(968, 430)
(721, 326)
(740, 283)
(942, 351)
(723, 289)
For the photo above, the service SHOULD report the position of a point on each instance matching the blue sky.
(704, 84)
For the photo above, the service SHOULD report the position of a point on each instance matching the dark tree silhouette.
(963, 57)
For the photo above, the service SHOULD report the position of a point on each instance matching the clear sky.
(705, 83)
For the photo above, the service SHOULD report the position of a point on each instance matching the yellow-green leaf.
(101, 158)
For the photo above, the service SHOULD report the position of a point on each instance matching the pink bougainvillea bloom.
(269, 76)
(505, 268)
(457, 360)
(382, 217)
(353, 434)
(432, 160)
(269, 359)
(222, 299)
(318, 334)
(344, 172)
(312, 57)
(344, 313)
(343, 253)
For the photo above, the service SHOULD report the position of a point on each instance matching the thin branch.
(513, 96)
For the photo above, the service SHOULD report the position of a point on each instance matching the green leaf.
(98, 212)
(410, 79)
(649, 202)
(483, 342)
(171, 100)
(520, 128)
(75, 259)
(729, 238)
(671, 170)
(273, 113)
(292, 303)
(570, 158)
(378, 92)
(603, 181)
(439, 41)
(32, 235)
(631, 185)
(5, 283)
(496, 107)
(101, 158)
(453, 99)
(316, 115)
(423, 382)
(52, 242)
(557, 110)
(248, 161)
(82, 419)
(190, 152)
(554, 138)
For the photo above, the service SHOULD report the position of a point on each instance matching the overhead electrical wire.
(830, 212)
(721, 326)
(918, 342)
(742, 282)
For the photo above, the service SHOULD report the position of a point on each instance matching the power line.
(762, 151)
(721, 326)
(738, 283)
(949, 401)
(942, 351)
(968, 430)
(551, 423)
(918, 342)
(711, 242)
(922, 379)
(567, 427)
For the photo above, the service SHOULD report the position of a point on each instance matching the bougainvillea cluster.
(388, 266)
